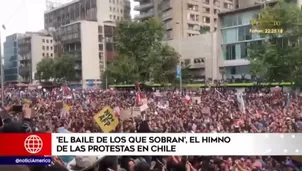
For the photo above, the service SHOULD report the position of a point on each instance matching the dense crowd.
(199, 111)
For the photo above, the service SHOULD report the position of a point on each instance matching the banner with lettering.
(106, 119)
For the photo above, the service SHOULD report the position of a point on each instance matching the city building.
(184, 18)
(22, 52)
(200, 53)
(245, 3)
(11, 59)
(248, 3)
(84, 29)
(32, 48)
(235, 38)
(90, 10)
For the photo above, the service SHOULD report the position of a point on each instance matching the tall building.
(248, 3)
(11, 58)
(245, 3)
(184, 18)
(235, 38)
(22, 52)
(79, 29)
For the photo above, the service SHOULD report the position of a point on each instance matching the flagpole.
(180, 79)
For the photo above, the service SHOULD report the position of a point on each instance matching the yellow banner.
(67, 107)
(106, 119)
(27, 101)
(297, 158)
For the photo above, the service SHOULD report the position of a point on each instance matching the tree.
(278, 57)
(45, 69)
(59, 69)
(141, 54)
(64, 68)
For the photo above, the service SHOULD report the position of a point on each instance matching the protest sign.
(196, 100)
(163, 104)
(27, 101)
(125, 114)
(106, 119)
(67, 107)
(136, 112)
(59, 105)
(143, 107)
(63, 113)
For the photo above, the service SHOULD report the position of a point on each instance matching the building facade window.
(233, 70)
(229, 35)
(206, 19)
(243, 50)
(206, 1)
(244, 33)
(230, 52)
(192, 7)
(206, 10)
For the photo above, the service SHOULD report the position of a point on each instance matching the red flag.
(116, 111)
(187, 99)
(139, 95)
(138, 99)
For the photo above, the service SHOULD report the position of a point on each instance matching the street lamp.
(2, 69)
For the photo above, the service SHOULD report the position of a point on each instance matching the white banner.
(165, 144)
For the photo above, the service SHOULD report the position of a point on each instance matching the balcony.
(142, 7)
(165, 5)
(236, 62)
(198, 65)
(144, 15)
(166, 15)
(168, 26)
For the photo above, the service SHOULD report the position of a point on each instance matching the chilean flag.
(187, 99)
(139, 96)
(116, 111)
(138, 99)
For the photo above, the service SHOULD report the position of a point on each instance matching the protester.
(199, 111)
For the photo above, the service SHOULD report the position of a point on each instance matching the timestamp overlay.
(273, 27)
(267, 31)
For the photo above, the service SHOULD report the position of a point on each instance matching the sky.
(20, 16)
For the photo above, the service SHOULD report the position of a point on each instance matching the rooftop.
(258, 6)
(61, 6)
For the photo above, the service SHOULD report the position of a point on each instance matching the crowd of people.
(198, 111)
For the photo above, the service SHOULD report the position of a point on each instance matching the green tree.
(59, 69)
(141, 54)
(64, 68)
(45, 69)
(278, 57)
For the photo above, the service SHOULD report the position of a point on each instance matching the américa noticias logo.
(33, 144)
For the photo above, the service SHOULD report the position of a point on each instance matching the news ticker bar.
(25, 160)
(159, 144)
(155, 144)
